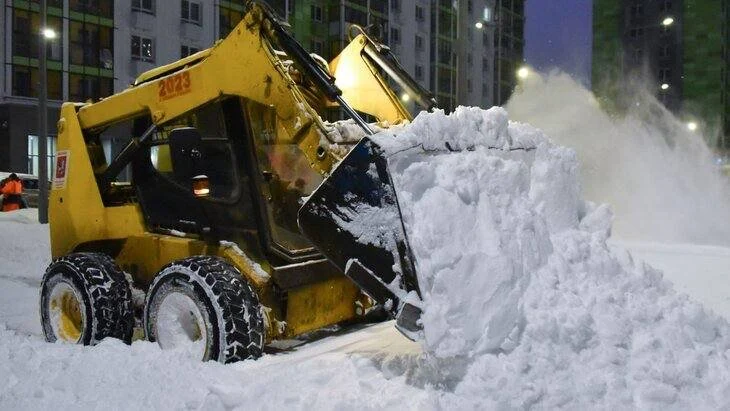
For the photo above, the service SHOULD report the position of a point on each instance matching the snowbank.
(24, 215)
(604, 332)
(24, 256)
(37, 375)
(519, 284)
(20, 234)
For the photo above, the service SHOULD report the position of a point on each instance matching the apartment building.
(79, 61)
(100, 47)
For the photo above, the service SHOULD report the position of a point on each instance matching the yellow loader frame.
(246, 65)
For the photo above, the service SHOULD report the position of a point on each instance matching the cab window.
(217, 160)
(287, 178)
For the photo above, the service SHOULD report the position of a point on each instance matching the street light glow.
(479, 25)
(665, 86)
(668, 21)
(692, 126)
(48, 33)
(523, 72)
(405, 97)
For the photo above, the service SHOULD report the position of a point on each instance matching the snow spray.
(658, 176)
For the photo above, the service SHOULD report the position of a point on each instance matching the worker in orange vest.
(11, 188)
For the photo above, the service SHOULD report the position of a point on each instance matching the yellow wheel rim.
(180, 325)
(67, 317)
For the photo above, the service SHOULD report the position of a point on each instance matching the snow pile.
(604, 332)
(518, 280)
(465, 129)
(20, 234)
(24, 256)
(470, 223)
(478, 220)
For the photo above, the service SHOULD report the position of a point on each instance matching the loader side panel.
(304, 308)
(75, 209)
(321, 304)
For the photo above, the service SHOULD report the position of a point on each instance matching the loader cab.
(221, 173)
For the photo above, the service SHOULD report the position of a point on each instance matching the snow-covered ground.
(701, 271)
(367, 367)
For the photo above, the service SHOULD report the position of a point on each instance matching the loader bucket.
(354, 219)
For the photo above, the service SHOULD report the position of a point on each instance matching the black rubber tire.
(104, 291)
(232, 309)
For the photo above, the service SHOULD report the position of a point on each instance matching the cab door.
(284, 177)
(165, 188)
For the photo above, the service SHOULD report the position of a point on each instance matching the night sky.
(558, 34)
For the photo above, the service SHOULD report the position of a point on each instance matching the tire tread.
(108, 291)
(240, 309)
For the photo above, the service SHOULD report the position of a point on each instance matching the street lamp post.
(42, 120)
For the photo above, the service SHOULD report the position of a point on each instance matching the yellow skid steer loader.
(208, 245)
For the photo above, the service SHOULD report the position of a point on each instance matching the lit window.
(33, 156)
(487, 14)
(143, 49)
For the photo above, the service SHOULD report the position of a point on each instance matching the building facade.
(100, 47)
(79, 61)
(509, 46)
(465, 51)
(677, 48)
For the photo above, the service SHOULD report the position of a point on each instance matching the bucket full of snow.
(416, 212)
(355, 220)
